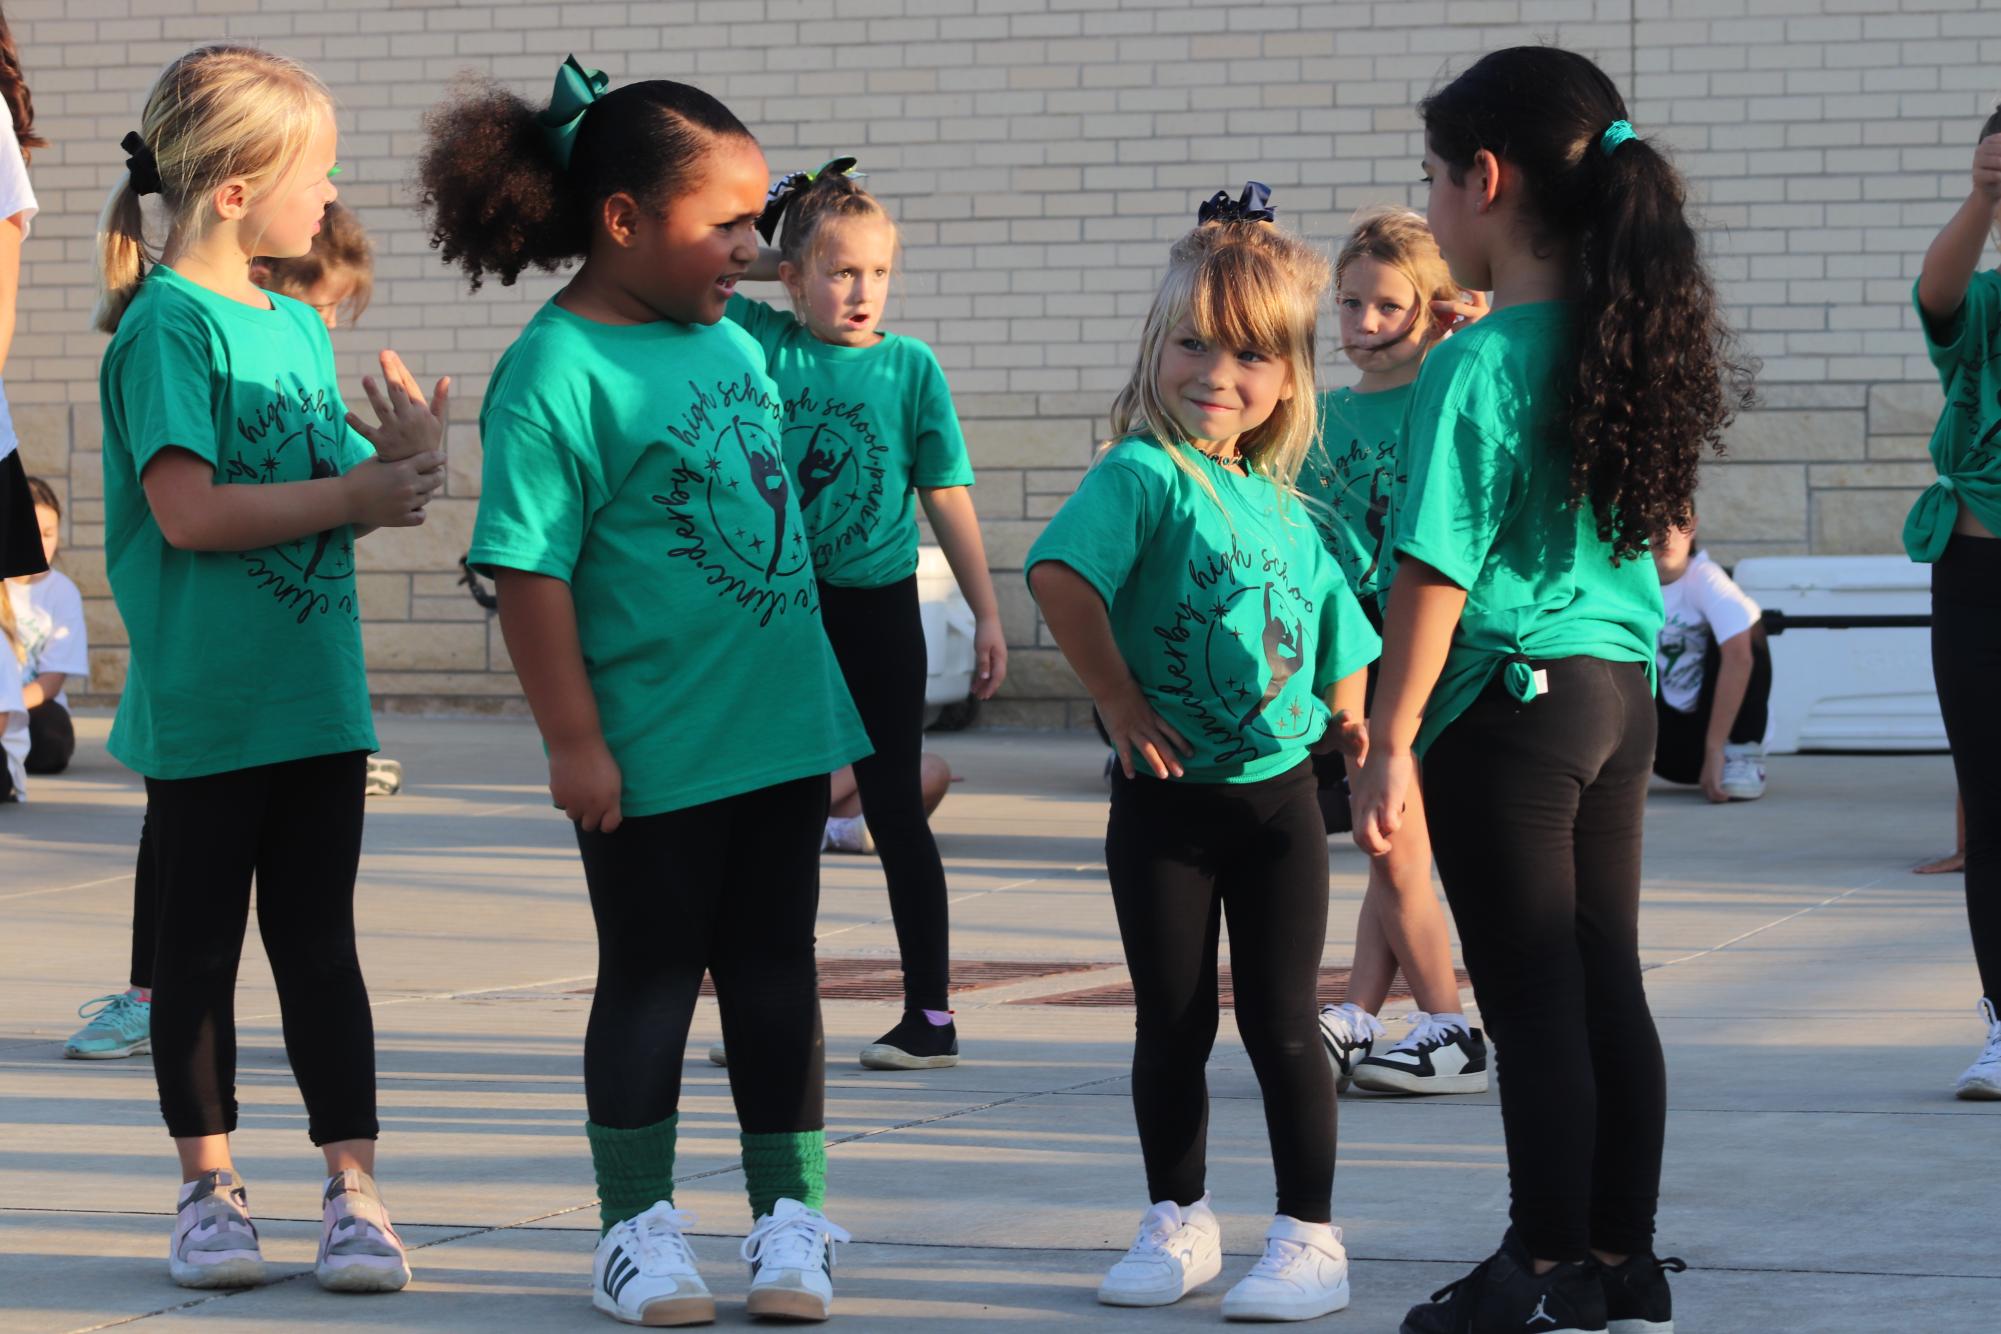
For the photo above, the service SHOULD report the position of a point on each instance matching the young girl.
(48, 611)
(234, 490)
(20, 547)
(1395, 300)
(335, 278)
(1956, 526)
(657, 596)
(1187, 587)
(870, 431)
(1546, 444)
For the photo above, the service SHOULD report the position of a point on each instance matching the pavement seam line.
(1775, 922)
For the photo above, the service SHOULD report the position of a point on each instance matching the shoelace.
(1279, 1259)
(659, 1240)
(111, 1008)
(1154, 1231)
(1428, 1030)
(801, 1241)
(1353, 1026)
(1468, 1281)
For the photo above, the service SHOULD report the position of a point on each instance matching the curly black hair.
(1659, 373)
(497, 200)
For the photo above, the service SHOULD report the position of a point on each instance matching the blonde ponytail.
(122, 256)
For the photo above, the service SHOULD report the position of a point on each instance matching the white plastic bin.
(948, 632)
(1848, 689)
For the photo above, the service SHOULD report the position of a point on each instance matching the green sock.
(635, 1169)
(790, 1164)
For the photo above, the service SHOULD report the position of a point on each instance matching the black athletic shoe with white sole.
(1431, 1058)
(1637, 1300)
(1504, 1295)
(914, 1044)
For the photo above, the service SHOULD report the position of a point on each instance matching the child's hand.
(1376, 796)
(1350, 736)
(1712, 776)
(1987, 168)
(406, 423)
(584, 780)
(989, 658)
(1133, 726)
(392, 494)
(1452, 316)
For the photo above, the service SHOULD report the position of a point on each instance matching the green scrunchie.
(1618, 132)
(576, 89)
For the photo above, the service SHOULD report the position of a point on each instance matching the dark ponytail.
(14, 91)
(497, 200)
(1658, 371)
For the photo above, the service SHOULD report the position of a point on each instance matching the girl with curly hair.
(1547, 444)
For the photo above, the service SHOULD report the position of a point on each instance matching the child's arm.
(10, 281)
(950, 509)
(195, 513)
(1347, 729)
(45, 687)
(407, 425)
(1424, 611)
(1076, 617)
(538, 620)
(1733, 679)
(1955, 254)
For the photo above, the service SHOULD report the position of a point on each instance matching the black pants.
(51, 738)
(879, 639)
(1180, 856)
(1682, 736)
(145, 907)
(20, 533)
(730, 887)
(295, 829)
(1536, 812)
(1966, 665)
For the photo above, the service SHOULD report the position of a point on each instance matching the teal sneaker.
(121, 1025)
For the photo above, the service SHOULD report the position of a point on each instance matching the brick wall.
(1039, 154)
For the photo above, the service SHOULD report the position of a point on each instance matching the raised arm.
(1955, 253)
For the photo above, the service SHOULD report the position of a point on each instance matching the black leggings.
(731, 887)
(51, 738)
(879, 639)
(1180, 855)
(145, 907)
(1536, 812)
(1966, 665)
(1678, 750)
(295, 829)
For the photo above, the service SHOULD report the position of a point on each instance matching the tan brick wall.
(1039, 153)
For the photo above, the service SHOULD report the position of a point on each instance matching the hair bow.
(1254, 205)
(140, 165)
(789, 186)
(576, 89)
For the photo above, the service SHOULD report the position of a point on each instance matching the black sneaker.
(1504, 1293)
(914, 1044)
(1637, 1300)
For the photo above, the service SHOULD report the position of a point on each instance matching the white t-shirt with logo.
(1703, 606)
(16, 196)
(48, 613)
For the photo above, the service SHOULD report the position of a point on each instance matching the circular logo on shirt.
(830, 480)
(748, 490)
(1256, 644)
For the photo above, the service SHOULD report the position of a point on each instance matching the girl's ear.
(788, 274)
(621, 216)
(231, 199)
(1484, 180)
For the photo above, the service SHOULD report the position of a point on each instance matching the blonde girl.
(1186, 586)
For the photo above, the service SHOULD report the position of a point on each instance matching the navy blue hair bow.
(1254, 205)
(790, 186)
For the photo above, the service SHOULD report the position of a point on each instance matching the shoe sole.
(664, 1313)
(1249, 1312)
(241, 1273)
(1379, 1079)
(360, 1276)
(1206, 1273)
(1743, 794)
(140, 1048)
(1636, 1326)
(785, 1304)
(1982, 1092)
(875, 1056)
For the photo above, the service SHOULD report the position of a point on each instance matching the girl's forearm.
(538, 621)
(1423, 612)
(43, 688)
(1954, 256)
(1349, 694)
(957, 527)
(1733, 680)
(195, 513)
(1078, 622)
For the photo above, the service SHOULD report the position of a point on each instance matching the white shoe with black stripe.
(1434, 1057)
(644, 1273)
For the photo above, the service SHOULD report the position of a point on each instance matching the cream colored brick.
(1905, 409)
(436, 544)
(1754, 502)
(393, 646)
(1031, 443)
(1761, 436)
(43, 432)
(1860, 522)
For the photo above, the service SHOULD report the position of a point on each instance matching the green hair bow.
(791, 185)
(576, 89)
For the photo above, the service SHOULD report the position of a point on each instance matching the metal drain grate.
(1333, 989)
(881, 978)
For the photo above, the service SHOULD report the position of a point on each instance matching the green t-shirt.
(238, 658)
(1351, 476)
(639, 463)
(1486, 506)
(864, 428)
(1966, 443)
(1233, 618)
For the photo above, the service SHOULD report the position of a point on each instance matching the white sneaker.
(214, 1243)
(1743, 770)
(644, 1273)
(1982, 1080)
(1177, 1251)
(848, 834)
(1349, 1033)
(359, 1250)
(1434, 1057)
(1302, 1275)
(791, 1258)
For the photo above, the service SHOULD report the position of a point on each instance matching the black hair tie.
(1254, 205)
(141, 165)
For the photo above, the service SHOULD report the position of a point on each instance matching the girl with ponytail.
(1547, 444)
